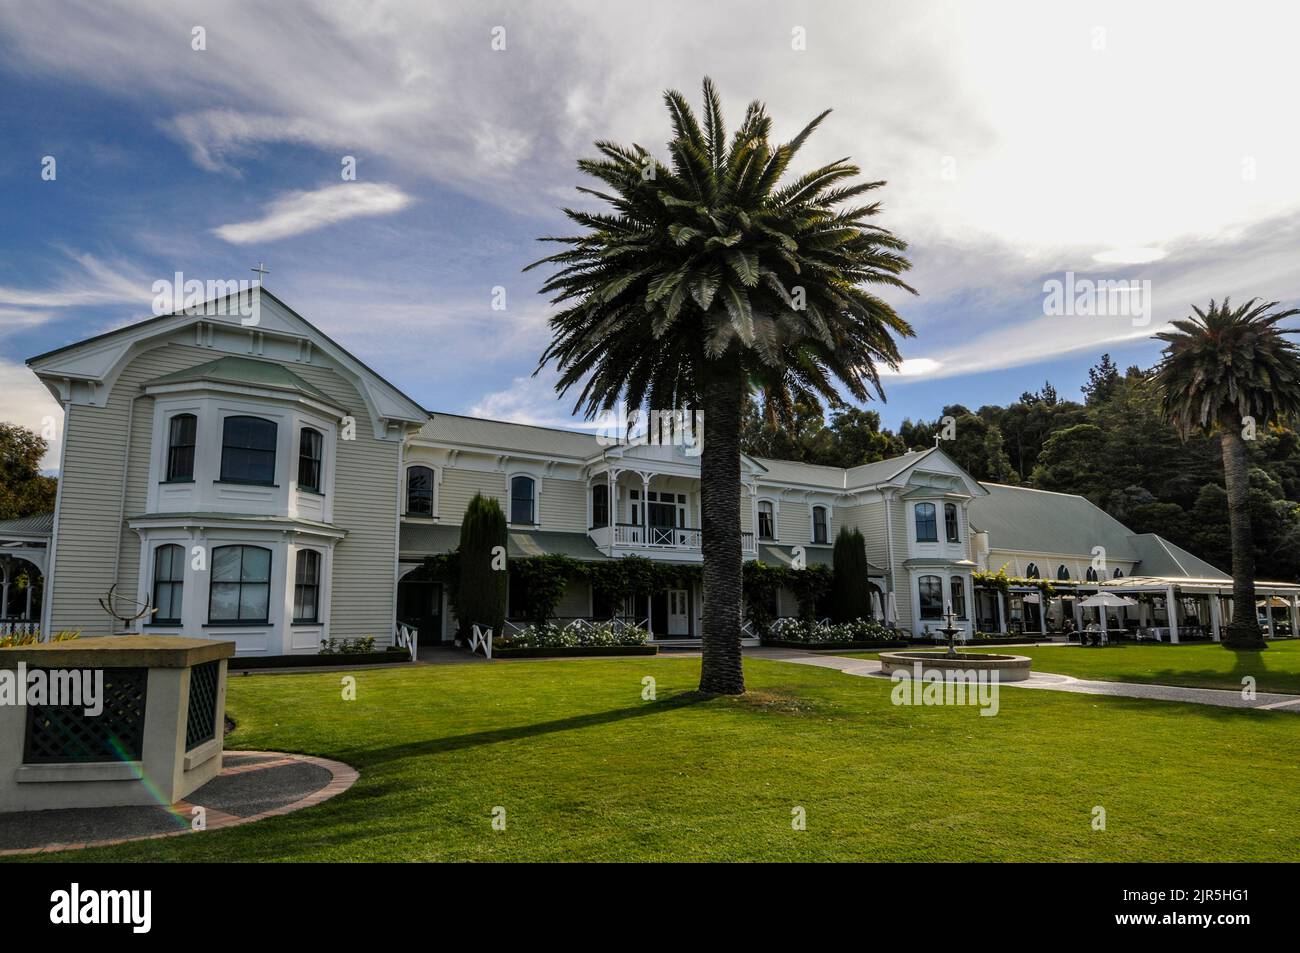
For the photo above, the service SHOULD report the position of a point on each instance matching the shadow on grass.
(436, 746)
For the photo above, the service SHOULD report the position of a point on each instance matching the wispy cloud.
(299, 212)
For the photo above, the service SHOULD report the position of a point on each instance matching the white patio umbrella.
(891, 610)
(876, 610)
(1107, 599)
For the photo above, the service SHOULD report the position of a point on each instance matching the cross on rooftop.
(261, 271)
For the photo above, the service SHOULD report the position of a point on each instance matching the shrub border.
(573, 651)
(793, 644)
(308, 661)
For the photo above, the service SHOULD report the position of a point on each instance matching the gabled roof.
(1162, 558)
(243, 371)
(99, 358)
(480, 432)
(1039, 521)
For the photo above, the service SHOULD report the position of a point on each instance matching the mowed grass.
(587, 770)
(1276, 669)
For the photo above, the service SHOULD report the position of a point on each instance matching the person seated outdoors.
(1067, 629)
(1091, 634)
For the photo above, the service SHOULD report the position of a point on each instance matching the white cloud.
(528, 400)
(25, 401)
(297, 212)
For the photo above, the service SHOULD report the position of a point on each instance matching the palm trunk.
(1243, 631)
(720, 670)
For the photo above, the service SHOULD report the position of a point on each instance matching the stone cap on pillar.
(118, 651)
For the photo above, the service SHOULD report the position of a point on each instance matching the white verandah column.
(1268, 609)
(1171, 607)
(1002, 613)
(1216, 616)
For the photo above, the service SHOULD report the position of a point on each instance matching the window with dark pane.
(419, 491)
(241, 584)
(168, 583)
(181, 434)
(521, 500)
(927, 529)
(248, 450)
(311, 445)
(306, 586)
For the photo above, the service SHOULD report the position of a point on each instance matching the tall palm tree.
(1218, 369)
(710, 276)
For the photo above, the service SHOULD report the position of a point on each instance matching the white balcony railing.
(676, 538)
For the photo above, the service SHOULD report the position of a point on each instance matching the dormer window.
(1090, 575)
(1031, 571)
(1062, 574)
(950, 522)
(766, 520)
(248, 451)
(310, 451)
(927, 526)
(521, 500)
(1118, 574)
(819, 534)
(419, 491)
(181, 434)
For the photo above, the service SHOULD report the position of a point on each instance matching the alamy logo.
(658, 428)
(74, 906)
(977, 688)
(1085, 297)
(58, 687)
(210, 298)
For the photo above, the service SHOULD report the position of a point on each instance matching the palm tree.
(1231, 371)
(710, 277)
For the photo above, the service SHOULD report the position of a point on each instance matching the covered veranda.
(1166, 609)
(24, 548)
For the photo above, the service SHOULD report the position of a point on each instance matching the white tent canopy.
(1109, 600)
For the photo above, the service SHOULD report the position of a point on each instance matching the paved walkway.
(871, 668)
(252, 785)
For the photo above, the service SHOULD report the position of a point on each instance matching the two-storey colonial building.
(238, 474)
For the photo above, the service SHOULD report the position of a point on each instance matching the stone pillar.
(1171, 610)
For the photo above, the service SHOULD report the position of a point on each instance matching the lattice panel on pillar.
(59, 734)
(201, 722)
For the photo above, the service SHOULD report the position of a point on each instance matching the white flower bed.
(577, 634)
(859, 630)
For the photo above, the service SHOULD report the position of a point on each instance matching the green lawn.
(587, 770)
(1276, 669)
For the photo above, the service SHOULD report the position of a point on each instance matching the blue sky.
(1019, 143)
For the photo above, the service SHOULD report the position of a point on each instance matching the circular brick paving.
(252, 785)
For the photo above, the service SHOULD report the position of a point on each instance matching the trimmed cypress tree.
(850, 593)
(481, 590)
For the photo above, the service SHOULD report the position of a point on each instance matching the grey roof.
(243, 371)
(808, 474)
(882, 471)
(42, 524)
(502, 435)
(838, 478)
(778, 554)
(434, 538)
(1039, 521)
(1162, 558)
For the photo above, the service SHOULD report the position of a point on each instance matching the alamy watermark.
(1101, 297)
(655, 428)
(212, 297)
(922, 686)
(61, 687)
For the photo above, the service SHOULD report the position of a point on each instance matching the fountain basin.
(1010, 668)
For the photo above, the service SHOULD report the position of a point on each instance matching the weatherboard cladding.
(365, 501)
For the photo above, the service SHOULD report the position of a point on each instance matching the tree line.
(1112, 446)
